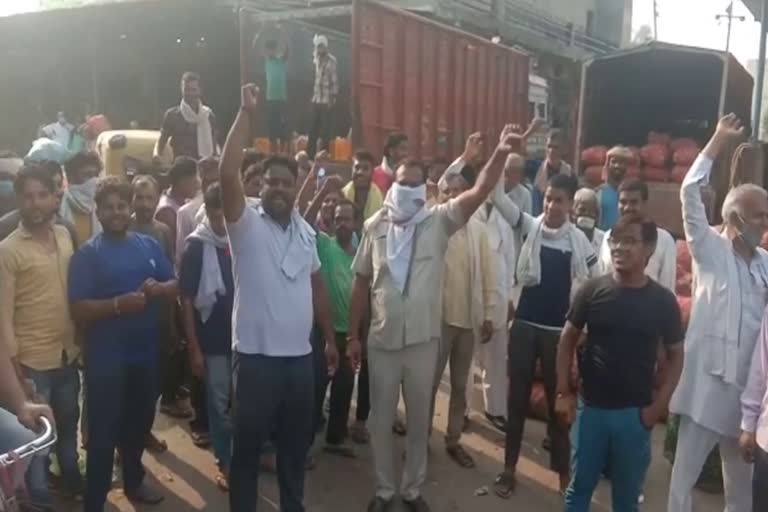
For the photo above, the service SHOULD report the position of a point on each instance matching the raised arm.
(488, 178)
(232, 194)
(331, 183)
(695, 223)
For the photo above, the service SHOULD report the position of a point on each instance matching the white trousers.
(491, 359)
(694, 444)
(414, 368)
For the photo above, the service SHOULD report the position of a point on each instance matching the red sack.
(685, 155)
(685, 309)
(659, 138)
(633, 172)
(684, 260)
(593, 175)
(594, 155)
(654, 155)
(678, 173)
(655, 174)
(682, 143)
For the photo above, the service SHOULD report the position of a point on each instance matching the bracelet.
(116, 306)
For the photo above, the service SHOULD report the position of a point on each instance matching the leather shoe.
(417, 505)
(145, 495)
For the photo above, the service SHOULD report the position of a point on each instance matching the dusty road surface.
(185, 473)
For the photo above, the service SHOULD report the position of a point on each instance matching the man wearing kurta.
(731, 276)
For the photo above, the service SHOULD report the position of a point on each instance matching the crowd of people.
(255, 286)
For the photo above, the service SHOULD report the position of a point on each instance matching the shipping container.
(404, 73)
(678, 90)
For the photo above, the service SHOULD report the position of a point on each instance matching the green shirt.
(336, 269)
(275, 68)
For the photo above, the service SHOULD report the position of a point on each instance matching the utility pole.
(655, 20)
(730, 17)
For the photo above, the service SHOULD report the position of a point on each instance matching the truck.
(678, 90)
(398, 72)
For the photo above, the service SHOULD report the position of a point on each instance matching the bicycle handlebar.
(43, 441)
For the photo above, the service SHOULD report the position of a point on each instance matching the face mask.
(585, 222)
(405, 202)
(749, 235)
(6, 188)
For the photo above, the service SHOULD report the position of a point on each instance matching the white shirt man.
(731, 276)
(662, 267)
(491, 357)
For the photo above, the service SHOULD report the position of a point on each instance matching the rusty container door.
(435, 83)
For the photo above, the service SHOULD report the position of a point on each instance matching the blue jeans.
(271, 394)
(121, 410)
(60, 388)
(218, 378)
(12, 436)
(601, 437)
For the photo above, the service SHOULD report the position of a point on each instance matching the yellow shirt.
(35, 323)
(83, 226)
(373, 202)
(457, 285)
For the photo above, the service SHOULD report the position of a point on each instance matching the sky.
(692, 22)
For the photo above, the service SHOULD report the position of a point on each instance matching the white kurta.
(662, 267)
(729, 299)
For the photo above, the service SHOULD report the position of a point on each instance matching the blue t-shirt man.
(609, 206)
(106, 267)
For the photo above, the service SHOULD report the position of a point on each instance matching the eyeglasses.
(615, 243)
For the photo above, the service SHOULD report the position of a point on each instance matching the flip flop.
(341, 450)
(460, 455)
(504, 485)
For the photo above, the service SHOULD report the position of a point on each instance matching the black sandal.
(505, 485)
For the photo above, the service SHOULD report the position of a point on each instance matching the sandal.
(359, 434)
(342, 450)
(504, 485)
(460, 455)
(399, 428)
(222, 482)
(201, 440)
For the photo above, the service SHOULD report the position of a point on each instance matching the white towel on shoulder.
(529, 263)
(205, 145)
(211, 284)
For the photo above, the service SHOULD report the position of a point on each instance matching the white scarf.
(81, 199)
(205, 145)
(406, 208)
(211, 284)
(386, 168)
(529, 263)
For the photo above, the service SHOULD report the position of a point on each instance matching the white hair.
(734, 201)
(587, 195)
(514, 160)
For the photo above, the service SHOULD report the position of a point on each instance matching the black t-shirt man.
(624, 327)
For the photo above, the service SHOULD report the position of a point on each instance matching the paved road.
(342, 485)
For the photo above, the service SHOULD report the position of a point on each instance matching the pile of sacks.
(662, 159)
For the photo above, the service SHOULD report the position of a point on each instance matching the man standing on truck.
(190, 127)
(403, 341)
(662, 266)
(727, 310)
(324, 94)
(275, 68)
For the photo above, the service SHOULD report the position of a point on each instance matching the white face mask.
(405, 202)
(585, 222)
